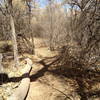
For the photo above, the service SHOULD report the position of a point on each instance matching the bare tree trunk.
(33, 52)
(32, 49)
(1, 66)
(14, 41)
(51, 26)
(31, 34)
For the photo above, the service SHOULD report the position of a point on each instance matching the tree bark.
(32, 37)
(1, 66)
(14, 41)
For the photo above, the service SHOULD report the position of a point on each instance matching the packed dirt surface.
(47, 86)
(53, 82)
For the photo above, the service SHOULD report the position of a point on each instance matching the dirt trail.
(51, 81)
(45, 85)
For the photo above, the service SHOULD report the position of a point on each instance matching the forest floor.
(53, 82)
(46, 85)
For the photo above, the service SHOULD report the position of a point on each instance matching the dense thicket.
(84, 50)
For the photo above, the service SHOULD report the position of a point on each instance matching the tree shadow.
(82, 77)
(85, 78)
(4, 78)
(41, 72)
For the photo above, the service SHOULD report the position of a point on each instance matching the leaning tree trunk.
(14, 41)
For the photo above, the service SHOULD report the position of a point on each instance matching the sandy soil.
(45, 85)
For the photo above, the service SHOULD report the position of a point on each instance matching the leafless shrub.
(85, 35)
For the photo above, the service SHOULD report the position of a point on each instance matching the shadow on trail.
(84, 78)
(41, 72)
(5, 79)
